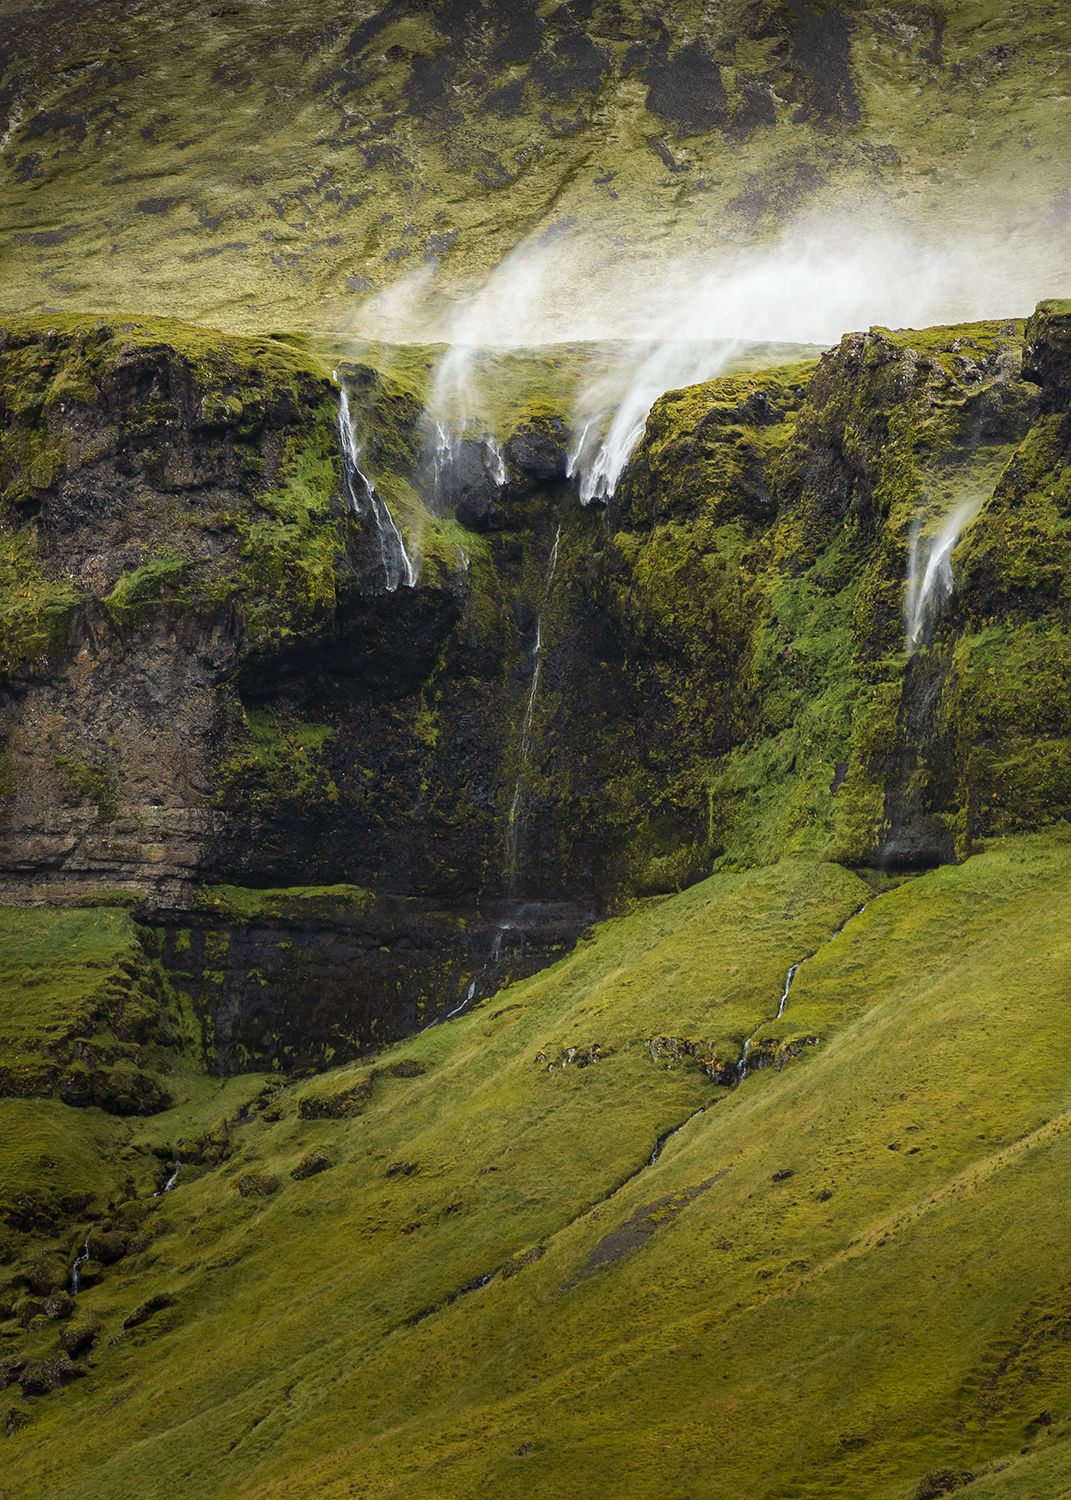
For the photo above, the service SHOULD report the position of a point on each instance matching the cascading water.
(170, 1182)
(76, 1269)
(741, 1067)
(617, 402)
(524, 752)
(930, 583)
(514, 822)
(363, 499)
(464, 453)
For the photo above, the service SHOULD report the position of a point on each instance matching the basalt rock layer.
(208, 683)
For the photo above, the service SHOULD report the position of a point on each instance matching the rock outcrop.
(309, 782)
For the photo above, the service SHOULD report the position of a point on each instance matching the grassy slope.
(258, 167)
(756, 1336)
(76, 987)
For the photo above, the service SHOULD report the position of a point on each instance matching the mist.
(653, 327)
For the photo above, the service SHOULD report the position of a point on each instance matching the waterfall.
(462, 461)
(511, 861)
(76, 1269)
(362, 496)
(524, 753)
(170, 1182)
(614, 404)
(930, 583)
(741, 1067)
(470, 995)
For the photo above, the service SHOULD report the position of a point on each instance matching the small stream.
(76, 1270)
(742, 1067)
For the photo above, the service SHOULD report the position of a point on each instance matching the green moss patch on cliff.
(35, 609)
(767, 524)
(101, 1072)
(281, 762)
(85, 1016)
(236, 435)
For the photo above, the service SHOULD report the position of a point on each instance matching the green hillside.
(535, 750)
(263, 166)
(837, 1278)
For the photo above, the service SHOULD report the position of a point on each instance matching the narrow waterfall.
(930, 583)
(76, 1269)
(524, 753)
(741, 1067)
(363, 499)
(616, 400)
(515, 819)
(464, 460)
(170, 1182)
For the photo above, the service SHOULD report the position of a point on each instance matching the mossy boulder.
(311, 1165)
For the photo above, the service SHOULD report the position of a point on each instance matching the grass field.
(840, 1276)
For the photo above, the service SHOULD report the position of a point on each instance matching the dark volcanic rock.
(40, 1377)
(311, 1166)
(1047, 353)
(258, 1185)
(106, 1246)
(79, 1335)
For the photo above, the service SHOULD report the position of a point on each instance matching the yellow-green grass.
(286, 163)
(77, 990)
(894, 1306)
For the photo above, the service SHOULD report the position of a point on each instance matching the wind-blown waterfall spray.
(363, 499)
(930, 583)
(614, 406)
(457, 409)
(647, 324)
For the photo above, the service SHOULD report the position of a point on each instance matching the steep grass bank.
(834, 1280)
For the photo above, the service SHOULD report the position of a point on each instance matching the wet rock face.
(1047, 354)
(309, 780)
(470, 485)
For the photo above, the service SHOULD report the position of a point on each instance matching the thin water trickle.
(76, 1269)
(741, 1067)
(469, 996)
(511, 862)
(660, 1144)
(363, 499)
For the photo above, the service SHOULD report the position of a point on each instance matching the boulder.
(40, 1377)
(258, 1185)
(310, 1165)
(107, 1246)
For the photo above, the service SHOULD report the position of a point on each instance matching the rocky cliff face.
(315, 786)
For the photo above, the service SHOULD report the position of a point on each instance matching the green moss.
(139, 590)
(86, 781)
(35, 610)
(881, 1176)
(284, 760)
(301, 902)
